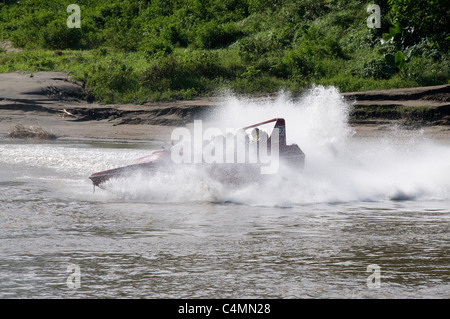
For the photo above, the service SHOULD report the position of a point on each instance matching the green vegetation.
(147, 50)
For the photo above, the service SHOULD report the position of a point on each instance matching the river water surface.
(380, 202)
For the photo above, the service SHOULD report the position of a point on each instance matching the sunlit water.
(381, 201)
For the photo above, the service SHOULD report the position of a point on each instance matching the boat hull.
(289, 156)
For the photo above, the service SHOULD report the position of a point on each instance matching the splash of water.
(339, 166)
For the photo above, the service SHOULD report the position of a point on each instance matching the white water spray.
(340, 167)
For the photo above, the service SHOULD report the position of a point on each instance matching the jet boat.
(159, 160)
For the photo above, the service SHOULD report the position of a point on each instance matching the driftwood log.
(20, 131)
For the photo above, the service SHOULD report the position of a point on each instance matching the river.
(368, 218)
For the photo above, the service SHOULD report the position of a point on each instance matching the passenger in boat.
(255, 134)
(259, 135)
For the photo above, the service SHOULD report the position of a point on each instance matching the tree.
(423, 19)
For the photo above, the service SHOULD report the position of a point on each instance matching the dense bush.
(213, 36)
(110, 79)
(57, 36)
(423, 19)
(128, 51)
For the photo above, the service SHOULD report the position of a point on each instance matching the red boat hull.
(290, 155)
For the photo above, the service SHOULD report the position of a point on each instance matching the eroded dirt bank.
(52, 101)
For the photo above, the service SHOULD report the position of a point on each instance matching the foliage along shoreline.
(143, 51)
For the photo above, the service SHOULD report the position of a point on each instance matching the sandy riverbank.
(50, 100)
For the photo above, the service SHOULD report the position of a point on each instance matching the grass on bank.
(137, 51)
(130, 77)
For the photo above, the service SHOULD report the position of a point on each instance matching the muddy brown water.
(186, 237)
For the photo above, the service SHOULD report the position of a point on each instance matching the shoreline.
(105, 130)
(53, 102)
